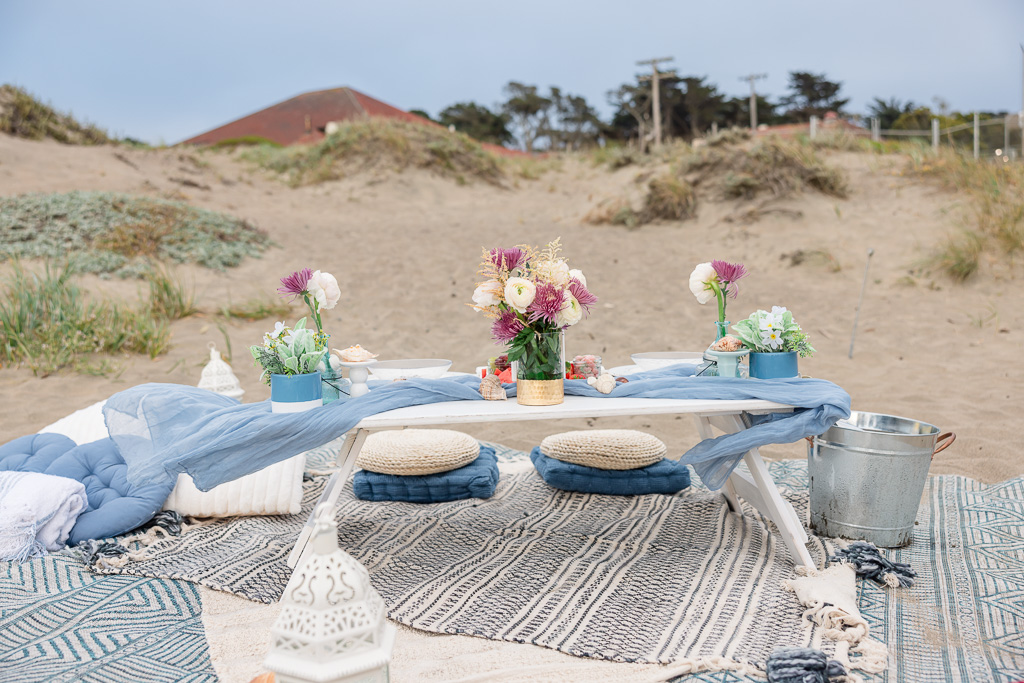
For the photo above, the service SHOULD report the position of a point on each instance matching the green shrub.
(120, 233)
(669, 198)
(47, 324)
(959, 256)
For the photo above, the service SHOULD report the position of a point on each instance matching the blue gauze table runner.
(164, 429)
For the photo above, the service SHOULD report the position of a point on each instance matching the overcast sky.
(165, 71)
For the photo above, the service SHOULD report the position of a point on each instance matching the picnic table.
(755, 485)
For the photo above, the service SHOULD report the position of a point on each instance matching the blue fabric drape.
(164, 429)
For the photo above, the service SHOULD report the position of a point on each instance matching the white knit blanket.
(37, 512)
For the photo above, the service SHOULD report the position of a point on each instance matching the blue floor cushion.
(33, 453)
(665, 476)
(478, 479)
(115, 506)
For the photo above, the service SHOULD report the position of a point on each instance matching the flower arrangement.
(716, 280)
(289, 351)
(528, 294)
(297, 350)
(773, 332)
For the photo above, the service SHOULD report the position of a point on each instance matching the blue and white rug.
(61, 622)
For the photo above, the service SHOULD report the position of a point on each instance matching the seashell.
(727, 343)
(491, 389)
(355, 354)
(603, 383)
(623, 380)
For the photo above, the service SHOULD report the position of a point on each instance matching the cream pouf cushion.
(409, 452)
(605, 449)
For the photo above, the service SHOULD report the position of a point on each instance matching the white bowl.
(427, 368)
(655, 360)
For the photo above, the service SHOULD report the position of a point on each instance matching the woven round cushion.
(417, 451)
(605, 449)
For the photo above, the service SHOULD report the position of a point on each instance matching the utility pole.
(753, 98)
(656, 91)
(1020, 119)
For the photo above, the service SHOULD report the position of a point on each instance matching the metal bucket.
(867, 475)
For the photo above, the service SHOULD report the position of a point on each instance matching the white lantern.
(331, 628)
(218, 377)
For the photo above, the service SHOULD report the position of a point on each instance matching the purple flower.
(508, 259)
(295, 284)
(728, 274)
(582, 294)
(506, 327)
(546, 304)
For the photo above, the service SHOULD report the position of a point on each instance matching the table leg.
(758, 488)
(729, 491)
(347, 455)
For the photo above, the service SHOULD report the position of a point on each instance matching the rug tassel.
(692, 666)
(869, 563)
(803, 665)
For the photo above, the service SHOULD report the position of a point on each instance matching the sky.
(165, 71)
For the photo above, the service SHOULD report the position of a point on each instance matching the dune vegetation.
(24, 116)
(112, 233)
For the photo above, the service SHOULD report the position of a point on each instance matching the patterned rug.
(656, 579)
(61, 622)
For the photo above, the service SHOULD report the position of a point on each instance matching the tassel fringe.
(869, 563)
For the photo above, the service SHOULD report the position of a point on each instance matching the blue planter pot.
(773, 365)
(295, 393)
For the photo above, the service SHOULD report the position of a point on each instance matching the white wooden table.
(757, 487)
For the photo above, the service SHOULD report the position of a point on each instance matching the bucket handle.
(943, 442)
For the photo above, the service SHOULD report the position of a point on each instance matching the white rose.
(487, 294)
(577, 274)
(571, 312)
(324, 288)
(519, 293)
(699, 278)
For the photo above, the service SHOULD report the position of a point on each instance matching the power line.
(656, 91)
(753, 97)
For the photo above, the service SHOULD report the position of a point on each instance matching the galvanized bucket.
(867, 475)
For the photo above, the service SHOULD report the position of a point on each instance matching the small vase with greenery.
(775, 341)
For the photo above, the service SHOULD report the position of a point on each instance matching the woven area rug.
(61, 622)
(657, 579)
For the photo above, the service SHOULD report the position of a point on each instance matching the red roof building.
(303, 119)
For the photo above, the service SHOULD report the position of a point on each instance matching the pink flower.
(582, 294)
(296, 283)
(508, 259)
(506, 327)
(728, 274)
(546, 304)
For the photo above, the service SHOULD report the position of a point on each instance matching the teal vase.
(778, 365)
(721, 328)
(295, 393)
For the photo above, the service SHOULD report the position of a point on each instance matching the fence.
(979, 137)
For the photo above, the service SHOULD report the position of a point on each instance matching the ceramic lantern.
(331, 628)
(218, 377)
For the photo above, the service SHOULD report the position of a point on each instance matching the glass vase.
(721, 329)
(541, 370)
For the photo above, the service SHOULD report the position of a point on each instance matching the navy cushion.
(33, 453)
(115, 506)
(665, 476)
(478, 479)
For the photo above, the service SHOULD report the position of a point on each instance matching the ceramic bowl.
(427, 368)
(655, 360)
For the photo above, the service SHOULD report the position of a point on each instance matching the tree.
(478, 122)
(735, 112)
(702, 103)
(571, 123)
(632, 115)
(812, 95)
(889, 112)
(527, 110)
(420, 112)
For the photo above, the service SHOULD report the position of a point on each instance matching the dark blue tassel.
(168, 520)
(870, 564)
(93, 550)
(802, 665)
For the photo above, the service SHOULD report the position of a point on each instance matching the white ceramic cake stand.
(358, 373)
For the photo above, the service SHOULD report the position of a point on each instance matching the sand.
(405, 248)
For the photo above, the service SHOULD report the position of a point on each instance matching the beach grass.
(169, 297)
(120, 234)
(380, 144)
(24, 116)
(670, 198)
(47, 324)
(257, 309)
